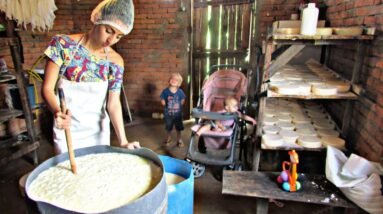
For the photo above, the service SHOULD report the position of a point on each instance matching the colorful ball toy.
(288, 177)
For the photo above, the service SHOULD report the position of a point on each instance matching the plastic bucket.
(154, 201)
(181, 195)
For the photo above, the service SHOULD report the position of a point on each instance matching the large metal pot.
(155, 201)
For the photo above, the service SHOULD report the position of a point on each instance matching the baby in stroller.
(220, 120)
(231, 106)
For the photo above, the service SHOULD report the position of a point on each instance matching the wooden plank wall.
(221, 36)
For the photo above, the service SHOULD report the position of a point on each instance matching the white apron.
(90, 121)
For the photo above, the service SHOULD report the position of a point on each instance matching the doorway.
(221, 34)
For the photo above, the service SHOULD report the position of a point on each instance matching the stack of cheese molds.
(290, 123)
(306, 80)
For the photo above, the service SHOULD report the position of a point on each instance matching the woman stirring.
(90, 73)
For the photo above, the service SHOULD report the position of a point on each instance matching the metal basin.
(154, 201)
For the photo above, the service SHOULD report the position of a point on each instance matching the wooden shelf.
(15, 147)
(6, 77)
(25, 148)
(297, 148)
(6, 114)
(297, 44)
(348, 95)
(316, 39)
(263, 185)
(12, 141)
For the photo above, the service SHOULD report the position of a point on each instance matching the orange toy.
(294, 185)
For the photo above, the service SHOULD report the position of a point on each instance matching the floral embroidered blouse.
(83, 66)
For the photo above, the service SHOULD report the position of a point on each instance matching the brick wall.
(366, 131)
(156, 47)
(272, 10)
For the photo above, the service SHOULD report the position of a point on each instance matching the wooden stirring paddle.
(68, 135)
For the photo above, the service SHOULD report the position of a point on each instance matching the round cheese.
(306, 132)
(289, 136)
(342, 86)
(285, 125)
(323, 124)
(313, 109)
(304, 126)
(277, 78)
(271, 129)
(285, 118)
(298, 113)
(272, 140)
(301, 120)
(333, 141)
(284, 112)
(270, 121)
(327, 133)
(324, 90)
(294, 77)
(287, 89)
(309, 141)
(315, 115)
(304, 88)
(270, 112)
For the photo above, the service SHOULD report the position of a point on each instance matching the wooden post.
(358, 66)
(22, 83)
(284, 58)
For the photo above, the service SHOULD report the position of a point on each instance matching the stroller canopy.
(221, 84)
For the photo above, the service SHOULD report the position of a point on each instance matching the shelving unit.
(298, 42)
(18, 146)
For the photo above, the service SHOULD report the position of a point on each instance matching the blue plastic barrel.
(181, 195)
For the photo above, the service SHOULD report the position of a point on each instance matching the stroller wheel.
(198, 169)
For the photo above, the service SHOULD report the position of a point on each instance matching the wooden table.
(262, 185)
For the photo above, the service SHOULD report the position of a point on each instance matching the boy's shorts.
(173, 120)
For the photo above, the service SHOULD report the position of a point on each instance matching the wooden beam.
(284, 58)
(219, 53)
(21, 83)
(358, 66)
(27, 148)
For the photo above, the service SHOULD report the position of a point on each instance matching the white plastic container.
(309, 20)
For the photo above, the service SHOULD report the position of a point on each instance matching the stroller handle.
(216, 67)
(198, 113)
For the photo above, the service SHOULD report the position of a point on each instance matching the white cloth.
(90, 121)
(357, 178)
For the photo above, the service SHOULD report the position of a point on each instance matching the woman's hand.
(131, 145)
(63, 121)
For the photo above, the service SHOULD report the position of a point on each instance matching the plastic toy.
(288, 177)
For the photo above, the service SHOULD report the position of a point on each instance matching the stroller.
(218, 148)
